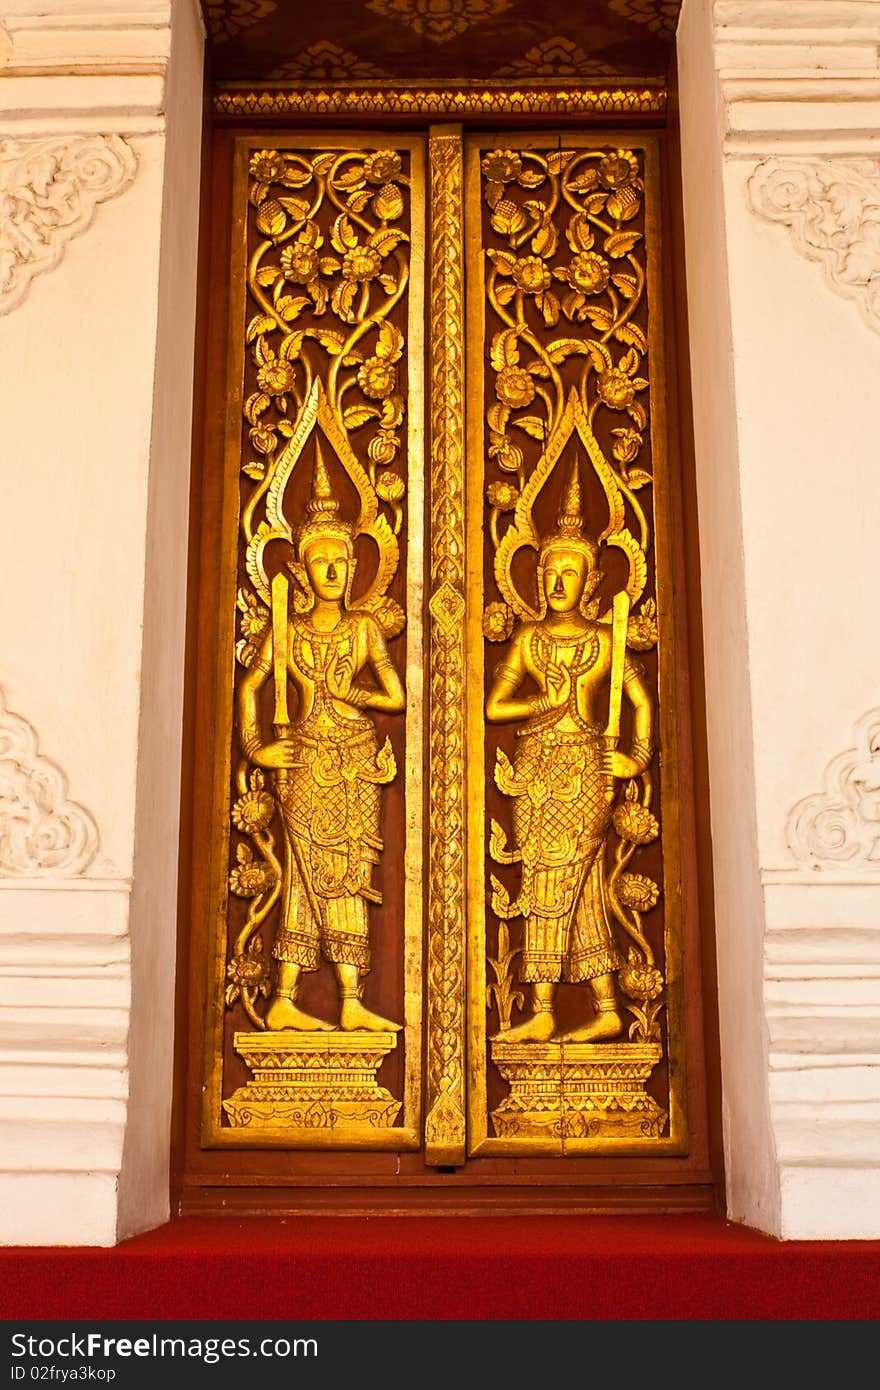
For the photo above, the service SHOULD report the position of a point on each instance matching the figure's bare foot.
(606, 1024)
(283, 1013)
(354, 1016)
(539, 1028)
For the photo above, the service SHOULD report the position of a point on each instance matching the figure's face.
(565, 573)
(327, 563)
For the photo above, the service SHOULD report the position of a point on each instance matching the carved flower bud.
(502, 496)
(390, 486)
(383, 447)
(508, 219)
(627, 446)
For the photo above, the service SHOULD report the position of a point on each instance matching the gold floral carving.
(439, 20)
(556, 57)
(328, 264)
(327, 62)
(660, 16)
(565, 285)
(445, 1123)
(226, 18)
(443, 103)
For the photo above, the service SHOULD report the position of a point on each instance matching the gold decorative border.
(444, 103)
(445, 1081)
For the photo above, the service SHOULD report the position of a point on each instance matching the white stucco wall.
(780, 123)
(96, 351)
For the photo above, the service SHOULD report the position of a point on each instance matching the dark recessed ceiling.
(342, 41)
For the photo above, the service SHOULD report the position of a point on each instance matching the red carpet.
(407, 1268)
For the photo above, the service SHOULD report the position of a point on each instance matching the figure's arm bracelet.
(250, 741)
(642, 753)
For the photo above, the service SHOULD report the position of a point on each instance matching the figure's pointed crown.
(322, 508)
(570, 522)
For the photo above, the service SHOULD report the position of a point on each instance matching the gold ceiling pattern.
(439, 20)
(417, 41)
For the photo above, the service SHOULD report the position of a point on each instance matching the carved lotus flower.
(300, 263)
(637, 891)
(377, 378)
(390, 617)
(253, 811)
(642, 631)
(249, 970)
(640, 981)
(276, 377)
(615, 388)
(531, 275)
(497, 622)
(250, 877)
(636, 823)
(502, 166)
(618, 169)
(266, 165)
(361, 264)
(515, 387)
(588, 273)
(382, 166)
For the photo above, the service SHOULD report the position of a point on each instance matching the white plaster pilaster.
(780, 120)
(96, 359)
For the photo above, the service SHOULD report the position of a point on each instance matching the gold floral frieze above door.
(446, 842)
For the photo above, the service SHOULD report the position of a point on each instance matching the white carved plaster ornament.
(41, 831)
(832, 210)
(49, 189)
(841, 825)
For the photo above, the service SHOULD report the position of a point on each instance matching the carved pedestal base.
(567, 1091)
(313, 1081)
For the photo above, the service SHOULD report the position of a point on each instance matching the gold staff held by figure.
(327, 767)
(563, 777)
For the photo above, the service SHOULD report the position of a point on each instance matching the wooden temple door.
(440, 935)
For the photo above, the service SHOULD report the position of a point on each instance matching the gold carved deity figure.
(564, 776)
(325, 765)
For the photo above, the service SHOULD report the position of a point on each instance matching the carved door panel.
(441, 732)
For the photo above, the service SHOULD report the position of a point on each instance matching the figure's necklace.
(583, 660)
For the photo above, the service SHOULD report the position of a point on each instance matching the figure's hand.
(280, 754)
(558, 685)
(622, 765)
(339, 674)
